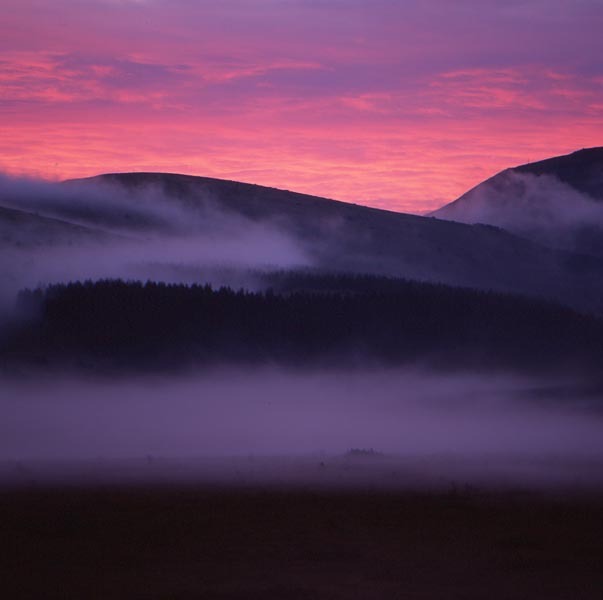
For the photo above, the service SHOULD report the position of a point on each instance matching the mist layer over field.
(168, 228)
(422, 428)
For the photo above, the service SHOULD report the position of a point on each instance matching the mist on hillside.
(133, 236)
(182, 229)
(370, 420)
(539, 207)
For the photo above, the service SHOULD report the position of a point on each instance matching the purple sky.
(398, 104)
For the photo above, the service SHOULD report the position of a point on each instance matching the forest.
(302, 319)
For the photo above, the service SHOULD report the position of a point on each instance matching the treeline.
(310, 319)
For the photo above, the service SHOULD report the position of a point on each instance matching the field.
(191, 542)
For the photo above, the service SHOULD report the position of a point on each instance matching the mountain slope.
(24, 229)
(558, 202)
(179, 228)
(581, 170)
(347, 237)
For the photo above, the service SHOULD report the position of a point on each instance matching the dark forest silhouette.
(304, 319)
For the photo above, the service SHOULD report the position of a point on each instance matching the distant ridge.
(154, 211)
(557, 201)
(251, 199)
(339, 236)
(582, 170)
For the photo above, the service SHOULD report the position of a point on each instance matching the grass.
(191, 543)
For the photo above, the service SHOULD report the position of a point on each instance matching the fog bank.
(420, 426)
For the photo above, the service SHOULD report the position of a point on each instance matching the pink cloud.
(400, 105)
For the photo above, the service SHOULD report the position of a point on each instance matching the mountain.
(35, 249)
(338, 236)
(20, 228)
(558, 202)
(176, 228)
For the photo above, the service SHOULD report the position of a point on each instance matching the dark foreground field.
(185, 543)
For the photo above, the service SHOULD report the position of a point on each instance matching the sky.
(398, 104)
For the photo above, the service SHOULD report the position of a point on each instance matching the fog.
(168, 259)
(55, 233)
(100, 231)
(540, 207)
(264, 425)
(99, 205)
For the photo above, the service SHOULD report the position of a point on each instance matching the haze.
(431, 429)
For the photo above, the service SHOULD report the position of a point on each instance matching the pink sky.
(393, 103)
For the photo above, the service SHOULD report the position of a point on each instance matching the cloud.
(235, 87)
(71, 78)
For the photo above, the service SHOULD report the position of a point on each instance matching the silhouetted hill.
(159, 226)
(557, 202)
(347, 237)
(19, 228)
(582, 170)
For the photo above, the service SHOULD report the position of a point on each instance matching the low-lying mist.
(267, 424)
(422, 427)
(68, 232)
